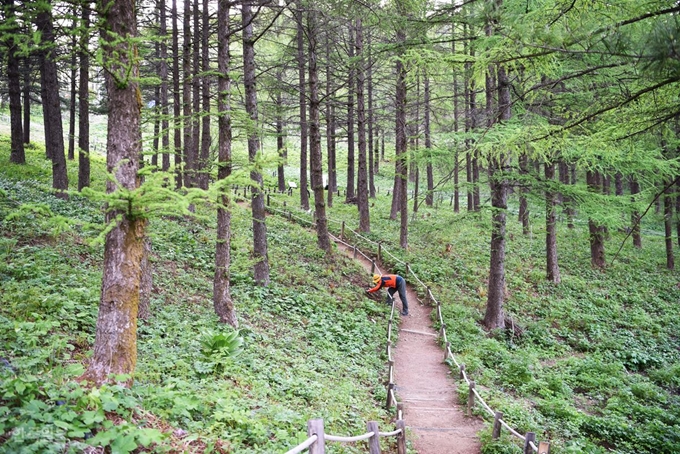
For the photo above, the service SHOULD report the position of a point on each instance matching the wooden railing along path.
(530, 444)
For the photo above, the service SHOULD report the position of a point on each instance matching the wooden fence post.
(390, 387)
(315, 427)
(268, 201)
(400, 411)
(401, 438)
(471, 398)
(355, 252)
(544, 447)
(342, 231)
(462, 371)
(372, 266)
(446, 351)
(497, 425)
(374, 441)
(530, 437)
(379, 251)
(442, 329)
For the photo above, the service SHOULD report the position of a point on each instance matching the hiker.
(394, 283)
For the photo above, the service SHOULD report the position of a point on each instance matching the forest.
(175, 177)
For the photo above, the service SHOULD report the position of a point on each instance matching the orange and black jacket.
(386, 280)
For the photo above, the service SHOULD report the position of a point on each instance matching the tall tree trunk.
(635, 215)
(362, 181)
(350, 193)
(73, 91)
(261, 268)
(156, 115)
(84, 102)
(668, 228)
(189, 156)
(597, 258)
(304, 195)
(401, 177)
(165, 123)
(330, 126)
(552, 267)
(280, 142)
(222, 301)
(205, 93)
(316, 167)
(27, 100)
(494, 317)
(196, 97)
(429, 198)
(115, 347)
(17, 153)
(456, 124)
(523, 191)
(49, 81)
(176, 100)
(371, 116)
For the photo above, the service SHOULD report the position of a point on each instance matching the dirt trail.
(436, 423)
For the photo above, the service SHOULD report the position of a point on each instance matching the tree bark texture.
(401, 176)
(429, 197)
(304, 195)
(115, 348)
(668, 228)
(523, 204)
(165, 123)
(196, 97)
(316, 168)
(597, 259)
(635, 215)
(27, 100)
(552, 267)
(49, 81)
(176, 100)
(362, 174)
(74, 87)
(350, 189)
(494, 317)
(189, 155)
(84, 102)
(222, 301)
(261, 268)
(205, 98)
(17, 152)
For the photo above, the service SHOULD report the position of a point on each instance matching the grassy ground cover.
(312, 343)
(591, 364)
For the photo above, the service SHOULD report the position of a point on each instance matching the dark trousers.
(401, 288)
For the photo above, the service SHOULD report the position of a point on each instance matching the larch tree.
(176, 100)
(17, 153)
(84, 100)
(362, 170)
(321, 221)
(299, 14)
(49, 91)
(400, 195)
(115, 347)
(261, 267)
(222, 300)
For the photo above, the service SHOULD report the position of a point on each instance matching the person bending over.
(394, 283)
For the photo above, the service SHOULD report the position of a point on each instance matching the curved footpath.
(436, 423)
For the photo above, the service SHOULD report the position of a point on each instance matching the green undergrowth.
(591, 365)
(310, 345)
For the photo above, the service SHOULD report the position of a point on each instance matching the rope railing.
(473, 396)
(317, 445)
